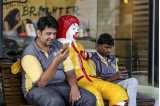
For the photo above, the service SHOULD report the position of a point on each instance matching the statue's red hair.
(64, 22)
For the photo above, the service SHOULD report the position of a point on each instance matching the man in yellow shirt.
(43, 79)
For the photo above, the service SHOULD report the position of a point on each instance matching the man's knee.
(91, 99)
(55, 102)
(50, 101)
(41, 97)
(87, 98)
(133, 82)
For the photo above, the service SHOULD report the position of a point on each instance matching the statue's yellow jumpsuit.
(87, 80)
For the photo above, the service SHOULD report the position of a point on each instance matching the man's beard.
(49, 43)
(105, 54)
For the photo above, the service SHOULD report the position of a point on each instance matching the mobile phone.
(65, 45)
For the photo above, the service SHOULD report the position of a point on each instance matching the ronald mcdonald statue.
(103, 90)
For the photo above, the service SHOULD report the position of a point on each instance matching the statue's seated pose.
(67, 34)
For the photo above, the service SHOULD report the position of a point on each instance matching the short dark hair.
(105, 38)
(47, 21)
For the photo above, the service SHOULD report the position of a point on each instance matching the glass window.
(126, 20)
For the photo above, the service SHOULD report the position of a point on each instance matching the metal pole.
(153, 40)
(1, 28)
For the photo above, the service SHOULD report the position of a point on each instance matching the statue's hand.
(84, 55)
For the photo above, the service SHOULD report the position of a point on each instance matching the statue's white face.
(72, 32)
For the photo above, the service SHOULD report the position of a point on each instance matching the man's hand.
(74, 94)
(123, 72)
(62, 54)
(116, 76)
